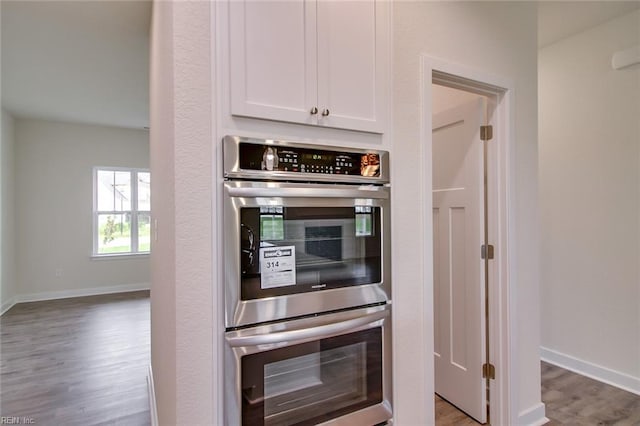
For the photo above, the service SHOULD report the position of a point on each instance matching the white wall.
(444, 98)
(54, 200)
(498, 38)
(590, 202)
(7, 207)
(163, 289)
(183, 257)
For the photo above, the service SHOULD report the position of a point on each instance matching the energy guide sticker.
(277, 266)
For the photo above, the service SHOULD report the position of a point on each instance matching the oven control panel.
(304, 160)
(278, 160)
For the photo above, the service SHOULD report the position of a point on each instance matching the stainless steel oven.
(333, 368)
(306, 229)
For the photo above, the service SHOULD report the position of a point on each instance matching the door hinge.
(486, 133)
(488, 371)
(486, 251)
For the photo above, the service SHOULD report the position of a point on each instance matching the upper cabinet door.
(353, 46)
(313, 62)
(273, 59)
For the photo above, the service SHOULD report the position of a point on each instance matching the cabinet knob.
(325, 112)
(314, 110)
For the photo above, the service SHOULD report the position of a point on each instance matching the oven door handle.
(313, 333)
(315, 191)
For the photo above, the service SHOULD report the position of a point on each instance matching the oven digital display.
(270, 158)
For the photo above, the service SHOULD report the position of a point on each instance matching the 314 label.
(277, 266)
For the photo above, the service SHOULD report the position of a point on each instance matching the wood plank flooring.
(84, 361)
(570, 399)
(447, 414)
(80, 361)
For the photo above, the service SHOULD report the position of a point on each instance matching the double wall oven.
(307, 284)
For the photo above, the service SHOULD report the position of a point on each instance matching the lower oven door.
(332, 369)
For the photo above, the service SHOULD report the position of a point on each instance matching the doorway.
(491, 334)
(459, 232)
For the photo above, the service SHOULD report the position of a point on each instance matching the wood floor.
(577, 400)
(570, 399)
(81, 361)
(447, 414)
(84, 361)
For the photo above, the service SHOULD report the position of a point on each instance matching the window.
(271, 223)
(364, 221)
(122, 211)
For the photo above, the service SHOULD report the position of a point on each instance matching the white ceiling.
(77, 61)
(560, 19)
(88, 61)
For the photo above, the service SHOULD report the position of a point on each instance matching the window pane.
(105, 190)
(144, 232)
(122, 191)
(144, 191)
(271, 227)
(364, 227)
(114, 233)
(114, 190)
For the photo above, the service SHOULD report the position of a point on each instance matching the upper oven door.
(285, 244)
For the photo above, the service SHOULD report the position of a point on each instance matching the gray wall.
(54, 201)
(590, 203)
(7, 207)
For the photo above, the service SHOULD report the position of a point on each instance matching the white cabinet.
(313, 62)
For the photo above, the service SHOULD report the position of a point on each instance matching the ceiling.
(560, 19)
(88, 61)
(77, 61)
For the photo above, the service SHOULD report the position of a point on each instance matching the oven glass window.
(313, 382)
(289, 250)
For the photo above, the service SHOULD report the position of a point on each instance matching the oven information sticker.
(277, 266)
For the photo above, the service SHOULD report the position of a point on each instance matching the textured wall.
(497, 38)
(163, 286)
(195, 213)
(182, 311)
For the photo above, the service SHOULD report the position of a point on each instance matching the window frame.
(133, 212)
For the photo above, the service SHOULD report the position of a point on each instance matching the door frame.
(502, 337)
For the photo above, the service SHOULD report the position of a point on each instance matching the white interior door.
(458, 230)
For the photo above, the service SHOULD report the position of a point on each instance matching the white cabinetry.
(319, 62)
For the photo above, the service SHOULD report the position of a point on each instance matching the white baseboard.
(534, 416)
(602, 374)
(7, 305)
(153, 408)
(81, 292)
